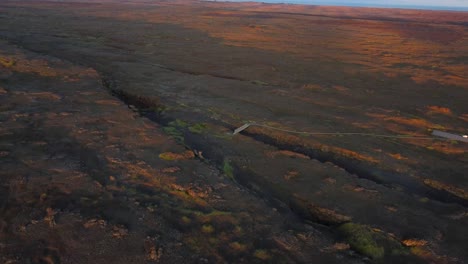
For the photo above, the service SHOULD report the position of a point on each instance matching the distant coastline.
(323, 3)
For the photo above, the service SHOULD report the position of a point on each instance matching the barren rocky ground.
(116, 137)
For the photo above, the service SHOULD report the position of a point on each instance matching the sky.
(455, 3)
(448, 4)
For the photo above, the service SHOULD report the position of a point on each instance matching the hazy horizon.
(456, 5)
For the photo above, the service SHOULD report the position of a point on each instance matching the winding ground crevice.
(195, 73)
(321, 218)
(274, 194)
(153, 109)
(361, 170)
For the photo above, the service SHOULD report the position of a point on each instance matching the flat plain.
(116, 142)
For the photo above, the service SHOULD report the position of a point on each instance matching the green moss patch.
(228, 169)
(197, 128)
(178, 124)
(174, 132)
(369, 242)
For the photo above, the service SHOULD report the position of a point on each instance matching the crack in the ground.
(361, 170)
(354, 167)
(277, 198)
(195, 73)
